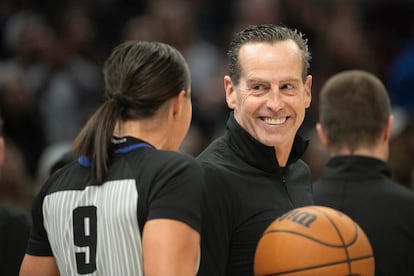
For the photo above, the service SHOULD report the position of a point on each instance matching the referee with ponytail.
(129, 204)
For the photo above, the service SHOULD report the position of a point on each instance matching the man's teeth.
(274, 121)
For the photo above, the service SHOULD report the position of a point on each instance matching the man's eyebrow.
(291, 80)
(256, 80)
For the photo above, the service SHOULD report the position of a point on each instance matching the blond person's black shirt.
(245, 191)
(362, 188)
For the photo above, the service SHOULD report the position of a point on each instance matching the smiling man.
(254, 172)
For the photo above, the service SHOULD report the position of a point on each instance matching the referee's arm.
(38, 265)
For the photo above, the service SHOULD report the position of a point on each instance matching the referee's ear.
(178, 104)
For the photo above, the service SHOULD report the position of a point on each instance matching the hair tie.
(120, 99)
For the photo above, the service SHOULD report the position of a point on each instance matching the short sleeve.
(176, 191)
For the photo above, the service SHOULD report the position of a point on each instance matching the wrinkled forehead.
(266, 58)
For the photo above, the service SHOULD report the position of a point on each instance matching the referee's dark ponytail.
(139, 77)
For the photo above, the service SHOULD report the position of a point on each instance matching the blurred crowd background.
(51, 54)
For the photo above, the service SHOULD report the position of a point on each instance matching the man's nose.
(275, 99)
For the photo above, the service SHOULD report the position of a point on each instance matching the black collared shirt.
(245, 191)
(362, 188)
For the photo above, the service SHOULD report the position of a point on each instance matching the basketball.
(314, 240)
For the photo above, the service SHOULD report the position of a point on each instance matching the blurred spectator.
(177, 20)
(57, 46)
(344, 40)
(27, 38)
(257, 12)
(389, 26)
(401, 158)
(71, 89)
(15, 220)
(23, 123)
(400, 80)
(210, 111)
(78, 32)
(142, 27)
(48, 159)
(110, 16)
(16, 185)
(177, 25)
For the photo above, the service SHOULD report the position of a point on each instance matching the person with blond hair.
(355, 123)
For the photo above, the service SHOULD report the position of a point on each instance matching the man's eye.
(287, 86)
(259, 87)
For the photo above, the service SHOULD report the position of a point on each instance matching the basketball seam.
(342, 238)
(344, 246)
(318, 266)
(307, 236)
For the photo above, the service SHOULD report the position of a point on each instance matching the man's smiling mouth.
(274, 121)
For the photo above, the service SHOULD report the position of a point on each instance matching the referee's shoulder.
(170, 157)
(214, 156)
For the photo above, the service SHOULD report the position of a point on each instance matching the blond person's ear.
(388, 129)
(2, 151)
(322, 135)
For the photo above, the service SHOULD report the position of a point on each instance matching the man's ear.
(230, 92)
(308, 91)
(323, 137)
